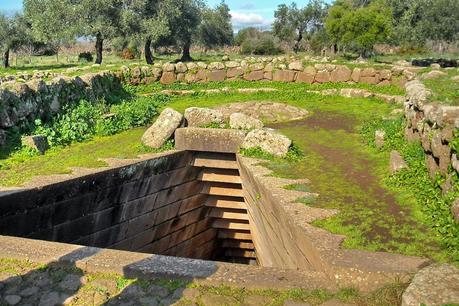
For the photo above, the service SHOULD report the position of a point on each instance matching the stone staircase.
(227, 212)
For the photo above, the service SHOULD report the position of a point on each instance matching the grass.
(444, 89)
(22, 166)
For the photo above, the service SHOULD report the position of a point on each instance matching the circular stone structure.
(266, 111)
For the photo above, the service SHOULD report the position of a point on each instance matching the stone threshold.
(149, 267)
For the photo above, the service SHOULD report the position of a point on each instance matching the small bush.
(85, 57)
(130, 53)
(75, 123)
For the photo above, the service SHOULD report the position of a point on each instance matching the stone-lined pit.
(204, 201)
(186, 204)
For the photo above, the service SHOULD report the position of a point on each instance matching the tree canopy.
(215, 29)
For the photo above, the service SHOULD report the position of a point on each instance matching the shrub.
(85, 57)
(75, 123)
(129, 53)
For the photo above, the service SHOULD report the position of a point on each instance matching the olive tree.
(13, 35)
(215, 29)
(184, 24)
(148, 21)
(53, 22)
(99, 19)
(293, 23)
(359, 27)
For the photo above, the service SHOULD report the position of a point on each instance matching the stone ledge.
(147, 266)
(209, 140)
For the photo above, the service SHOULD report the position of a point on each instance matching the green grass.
(391, 89)
(22, 166)
(444, 89)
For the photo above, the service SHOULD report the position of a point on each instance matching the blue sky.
(245, 13)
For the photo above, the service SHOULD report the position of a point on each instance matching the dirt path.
(345, 174)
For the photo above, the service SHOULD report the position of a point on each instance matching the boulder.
(434, 74)
(322, 76)
(167, 78)
(234, 72)
(216, 66)
(201, 117)
(284, 76)
(355, 76)
(216, 75)
(297, 65)
(163, 128)
(244, 122)
(232, 64)
(257, 67)
(254, 75)
(181, 67)
(267, 140)
(340, 74)
(437, 284)
(169, 67)
(35, 142)
(379, 138)
(396, 162)
(455, 79)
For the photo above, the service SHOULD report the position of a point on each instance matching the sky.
(245, 13)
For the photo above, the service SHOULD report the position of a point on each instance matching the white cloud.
(243, 20)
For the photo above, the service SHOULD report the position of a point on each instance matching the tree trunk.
(186, 57)
(99, 48)
(296, 48)
(6, 58)
(147, 51)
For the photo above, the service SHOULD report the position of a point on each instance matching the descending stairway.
(227, 209)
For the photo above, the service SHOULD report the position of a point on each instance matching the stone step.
(223, 214)
(237, 244)
(215, 160)
(223, 189)
(236, 235)
(220, 175)
(240, 253)
(232, 225)
(225, 203)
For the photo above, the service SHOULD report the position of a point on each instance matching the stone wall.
(22, 102)
(153, 206)
(432, 124)
(25, 97)
(269, 70)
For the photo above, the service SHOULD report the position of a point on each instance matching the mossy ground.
(444, 89)
(115, 289)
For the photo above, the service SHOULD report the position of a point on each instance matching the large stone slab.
(162, 129)
(210, 140)
(435, 285)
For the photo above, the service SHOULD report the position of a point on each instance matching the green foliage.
(253, 41)
(215, 29)
(73, 124)
(294, 154)
(53, 22)
(435, 205)
(293, 24)
(359, 28)
(85, 57)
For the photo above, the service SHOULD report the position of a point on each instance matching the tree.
(53, 22)
(216, 29)
(99, 19)
(359, 28)
(184, 24)
(148, 20)
(294, 23)
(12, 36)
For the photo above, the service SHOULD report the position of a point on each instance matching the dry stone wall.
(433, 124)
(22, 102)
(25, 98)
